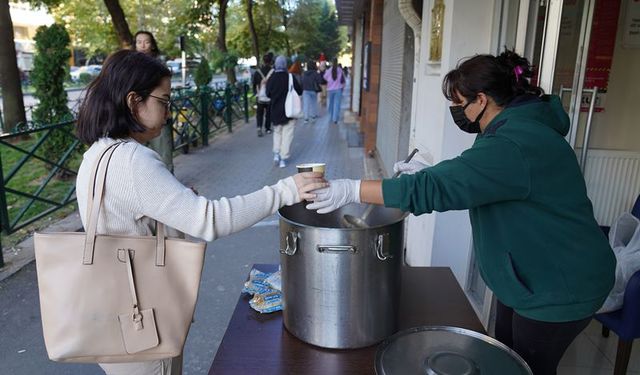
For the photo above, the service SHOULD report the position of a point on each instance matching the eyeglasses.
(167, 103)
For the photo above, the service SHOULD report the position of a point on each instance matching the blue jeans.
(335, 97)
(310, 104)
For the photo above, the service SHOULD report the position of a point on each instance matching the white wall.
(444, 239)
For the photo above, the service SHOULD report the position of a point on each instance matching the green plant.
(203, 73)
(50, 67)
(85, 78)
(224, 60)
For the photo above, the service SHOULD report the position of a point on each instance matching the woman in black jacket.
(277, 89)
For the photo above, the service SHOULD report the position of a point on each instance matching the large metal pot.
(340, 285)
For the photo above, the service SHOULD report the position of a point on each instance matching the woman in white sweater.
(129, 101)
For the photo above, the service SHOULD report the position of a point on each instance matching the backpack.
(262, 88)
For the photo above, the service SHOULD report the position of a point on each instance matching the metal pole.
(4, 214)
(227, 107)
(184, 68)
(246, 103)
(587, 130)
(204, 118)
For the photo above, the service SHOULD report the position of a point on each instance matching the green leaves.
(203, 73)
(49, 74)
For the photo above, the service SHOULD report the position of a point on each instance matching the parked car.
(92, 70)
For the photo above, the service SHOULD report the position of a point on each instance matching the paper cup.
(311, 167)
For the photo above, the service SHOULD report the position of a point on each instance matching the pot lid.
(441, 350)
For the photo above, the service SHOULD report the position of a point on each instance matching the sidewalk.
(233, 164)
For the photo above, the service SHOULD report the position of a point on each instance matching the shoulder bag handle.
(96, 186)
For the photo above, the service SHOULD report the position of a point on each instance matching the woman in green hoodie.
(538, 246)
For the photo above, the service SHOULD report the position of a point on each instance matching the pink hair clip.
(518, 72)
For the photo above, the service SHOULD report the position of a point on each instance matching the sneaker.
(276, 157)
(283, 164)
(259, 132)
(306, 121)
(268, 131)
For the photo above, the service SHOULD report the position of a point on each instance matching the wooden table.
(259, 344)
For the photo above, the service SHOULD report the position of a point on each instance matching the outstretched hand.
(307, 182)
(338, 194)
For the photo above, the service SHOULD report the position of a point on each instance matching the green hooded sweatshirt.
(538, 246)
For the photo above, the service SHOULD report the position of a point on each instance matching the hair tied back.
(518, 72)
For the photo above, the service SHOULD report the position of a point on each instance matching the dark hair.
(334, 69)
(267, 59)
(501, 77)
(104, 110)
(155, 52)
(311, 65)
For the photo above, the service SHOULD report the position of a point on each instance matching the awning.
(348, 10)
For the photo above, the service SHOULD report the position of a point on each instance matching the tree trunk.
(221, 40)
(252, 29)
(285, 23)
(119, 23)
(12, 100)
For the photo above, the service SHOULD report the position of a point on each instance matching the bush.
(203, 73)
(85, 78)
(50, 67)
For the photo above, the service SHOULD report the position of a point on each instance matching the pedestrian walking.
(296, 70)
(163, 145)
(535, 238)
(129, 103)
(311, 81)
(322, 68)
(277, 89)
(335, 83)
(259, 83)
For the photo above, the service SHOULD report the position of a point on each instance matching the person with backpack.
(277, 89)
(259, 81)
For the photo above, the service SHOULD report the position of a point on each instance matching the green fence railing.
(36, 181)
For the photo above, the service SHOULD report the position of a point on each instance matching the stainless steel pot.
(340, 285)
(441, 350)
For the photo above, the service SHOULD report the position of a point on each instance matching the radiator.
(613, 182)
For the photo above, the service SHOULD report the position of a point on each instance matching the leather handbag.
(115, 298)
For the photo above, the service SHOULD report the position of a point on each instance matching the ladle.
(351, 221)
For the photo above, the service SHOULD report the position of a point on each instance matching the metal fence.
(37, 178)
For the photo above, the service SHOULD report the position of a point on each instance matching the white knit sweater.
(139, 188)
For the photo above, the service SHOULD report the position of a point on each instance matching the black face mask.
(466, 125)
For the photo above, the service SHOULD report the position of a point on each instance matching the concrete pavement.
(233, 164)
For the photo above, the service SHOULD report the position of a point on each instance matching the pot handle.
(336, 249)
(291, 240)
(379, 245)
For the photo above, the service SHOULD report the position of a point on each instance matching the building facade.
(583, 50)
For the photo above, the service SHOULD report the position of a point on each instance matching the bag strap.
(290, 82)
(137, 317)
(96, 186)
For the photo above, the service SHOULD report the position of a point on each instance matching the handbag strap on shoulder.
(96, 186)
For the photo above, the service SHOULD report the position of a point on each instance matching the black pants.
(263, 111)
(540, 344)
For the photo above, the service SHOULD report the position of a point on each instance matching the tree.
(314, 28)
(221, 40)
(119, 23)
(12, 99)
(252, 29)
(49, 73)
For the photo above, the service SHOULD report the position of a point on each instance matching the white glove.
(414, 165)
(339, 193)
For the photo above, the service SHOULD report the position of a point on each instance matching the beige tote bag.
(115, 298)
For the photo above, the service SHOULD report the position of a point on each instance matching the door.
(587, 56)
